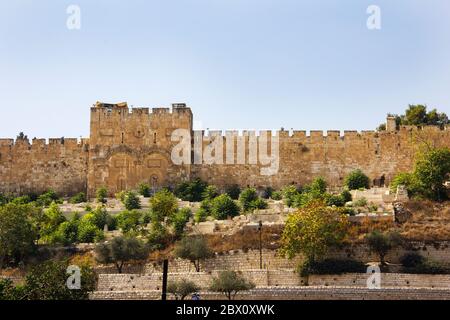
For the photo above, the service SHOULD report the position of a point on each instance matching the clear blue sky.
(256, 64)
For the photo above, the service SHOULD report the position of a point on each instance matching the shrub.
(361, 202)
(233, 191)
(331, 266)
(163, 204)
(318, 186)
(132, 201)
(210, 192)
(180, 219)
(247, 198)
(88, 232)
(102, 194)
(100, 217)
(78, 198)
(277, 195)
(194, 249)
(201, 215)
(145, 190)
(121, 250)
(129, 220)
(158, 238)
(47, 198)
(67, 233)
(191, 191)
(121, 195)
(289, 195)
(346, 195)
(21, 200)
(335, 200)
(182, 288)
(223, 207)
(230, 283)
(356, 180)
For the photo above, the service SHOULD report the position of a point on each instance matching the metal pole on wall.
(260, 244)
(164, 284)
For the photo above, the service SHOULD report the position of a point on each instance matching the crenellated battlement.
(128, 146)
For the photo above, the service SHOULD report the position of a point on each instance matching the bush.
(289, 195)
(67, 233)
(78, 198)
(129, 220)
(158, 238)
(230, 283)
(276, 195)
(163, 204)
(248, 198)
(233, 191)
(88, 232)
(102, 195)
(381, 243)
(346, 195)
(335, 200)
(223, 207)
(131, 201)
(331, 266)
(210, 192)
(356, 180)
(181, 289)
(47, 198)
(201, 215)
(180, 219)
(362, 202)
(191, 191)
(318, 186)
(100, 217)
(145, 190)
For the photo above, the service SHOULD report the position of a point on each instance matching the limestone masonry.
(130, 146)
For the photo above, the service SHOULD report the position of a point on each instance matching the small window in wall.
(154, 137)
(122, 137)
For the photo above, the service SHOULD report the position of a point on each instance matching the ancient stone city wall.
(130, 146)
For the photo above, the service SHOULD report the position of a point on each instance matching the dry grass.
(430, 221)
(246, 240)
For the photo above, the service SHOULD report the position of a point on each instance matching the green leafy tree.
(129, 220)
(432, 168)
(250, 200)
(78, 198)
(48, 281)
(145, 190)
(191, 191)
(53, 218)
(131, 201)
(357, 180)
(382, 243)
(210, 192)
(195, 249)
(158, 238)
(223, 207)
(416, 115)
(180, 219)
(233, 191)
(289, 194)
(88, 231)
(102, 195)
(182, 288)
(312, 230)
(201, 215)
(18, 232)
(121, 250)
(48, 198)
(230, 283)
(163, 204)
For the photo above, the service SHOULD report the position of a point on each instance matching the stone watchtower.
(131, 146)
